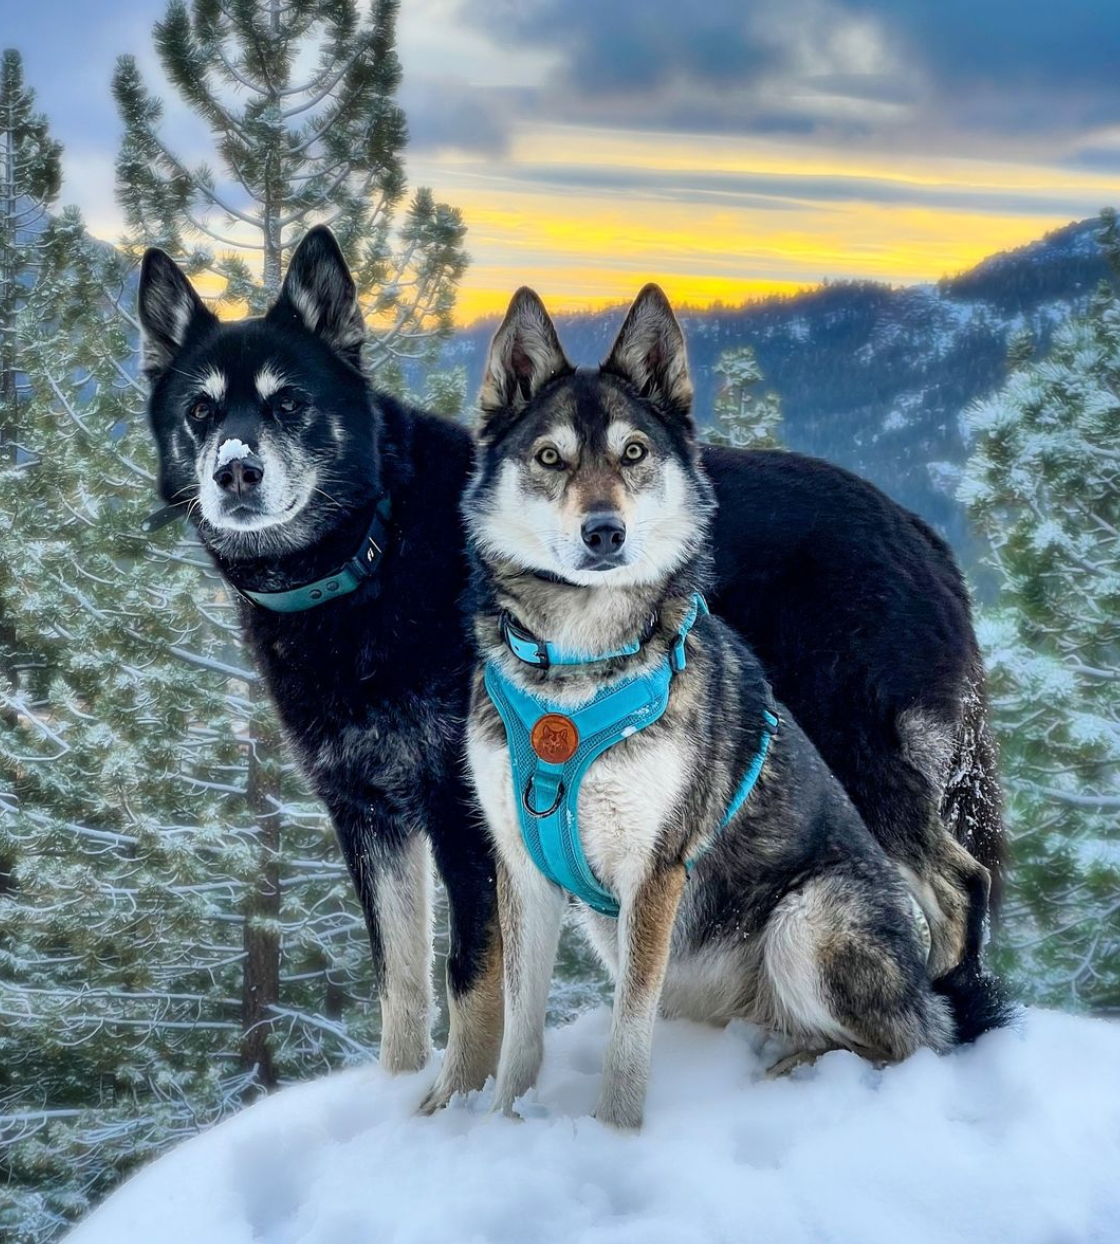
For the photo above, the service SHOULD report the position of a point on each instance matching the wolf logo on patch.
(555, 738)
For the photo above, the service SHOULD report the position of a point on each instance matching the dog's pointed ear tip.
(154, 259)
(317, 243)
(653, 293)
(526, 298)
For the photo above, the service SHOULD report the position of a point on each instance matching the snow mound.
(1016, 1139)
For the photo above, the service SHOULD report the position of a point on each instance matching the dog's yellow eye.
(202, 408)
(549, 457)
(634, 452)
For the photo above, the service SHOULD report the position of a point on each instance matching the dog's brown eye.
(202, 408)
(287, 405)
(634, 452)
(549, 457)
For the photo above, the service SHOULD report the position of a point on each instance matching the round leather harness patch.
(555, 738)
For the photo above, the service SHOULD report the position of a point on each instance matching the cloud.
(447, 114)
(952, 72)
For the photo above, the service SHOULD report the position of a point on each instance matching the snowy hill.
(1015, 1140)
(870, 376)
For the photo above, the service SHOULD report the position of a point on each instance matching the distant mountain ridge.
(872, 377)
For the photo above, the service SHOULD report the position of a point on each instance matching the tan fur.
(645, 936)
(650, 930)
(475, 1036)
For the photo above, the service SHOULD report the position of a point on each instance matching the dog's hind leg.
(844, 968)
(645, 931)
(474, 969)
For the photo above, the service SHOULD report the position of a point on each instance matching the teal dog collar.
(346, 579)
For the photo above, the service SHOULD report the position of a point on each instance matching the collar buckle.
(524, 645)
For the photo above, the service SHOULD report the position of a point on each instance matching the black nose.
(240, 475)
(604, 533)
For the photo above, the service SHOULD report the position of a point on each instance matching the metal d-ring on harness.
(552, 747)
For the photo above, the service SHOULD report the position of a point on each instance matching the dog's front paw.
(450, 1082)
(619, 1113)
(437, 1097)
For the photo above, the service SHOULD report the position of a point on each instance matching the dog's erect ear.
(649, 352)
(170, 311)
(321, 293)
(524, 356)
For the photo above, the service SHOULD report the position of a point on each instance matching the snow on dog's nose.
(239, 470)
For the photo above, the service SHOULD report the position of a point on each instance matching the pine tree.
(300, 140)
(1043, 484)
(146, 798)
(445, 392)
(177, 928)
(744, 418)
(30, 175)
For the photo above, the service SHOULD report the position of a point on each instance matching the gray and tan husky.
(625, 747)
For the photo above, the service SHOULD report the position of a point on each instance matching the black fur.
(855, 609)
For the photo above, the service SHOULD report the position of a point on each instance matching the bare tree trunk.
(260, 990)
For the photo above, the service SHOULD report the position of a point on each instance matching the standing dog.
(299, 477)
(620, 737)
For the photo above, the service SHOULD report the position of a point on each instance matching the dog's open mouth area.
(1016, 1138)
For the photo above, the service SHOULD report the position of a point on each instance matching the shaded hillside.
(870, 376)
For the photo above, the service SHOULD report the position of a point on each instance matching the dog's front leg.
(645, 932)
(392, 873)
(474, 959)
(530, 909)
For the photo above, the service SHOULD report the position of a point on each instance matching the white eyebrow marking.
(564, 437)
(269, 381)
(618, 434)
(213, 384)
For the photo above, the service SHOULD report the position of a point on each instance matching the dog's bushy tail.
(977, 998)
(972, 804)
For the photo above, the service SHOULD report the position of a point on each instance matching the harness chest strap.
(552, 747)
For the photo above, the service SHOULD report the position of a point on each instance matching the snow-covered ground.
(1015, 1140)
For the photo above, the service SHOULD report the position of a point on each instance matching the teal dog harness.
(552, 746)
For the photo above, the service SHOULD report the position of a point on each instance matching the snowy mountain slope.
(1015, 1141)
(870, 376)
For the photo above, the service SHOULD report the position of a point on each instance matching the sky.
(726, 149)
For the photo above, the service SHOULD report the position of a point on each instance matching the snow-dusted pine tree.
(299, 96)
(177, 929)
(1043, 484)
(744, 417)
(30, 175)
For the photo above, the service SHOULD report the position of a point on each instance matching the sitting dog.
(626, 748)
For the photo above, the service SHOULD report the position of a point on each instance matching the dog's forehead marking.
(269, 380)
(619, 432)
(213, 383)
(563, 437)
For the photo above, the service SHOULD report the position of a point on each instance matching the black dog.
(311, 490)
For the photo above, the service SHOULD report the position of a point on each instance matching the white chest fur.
(624, 800)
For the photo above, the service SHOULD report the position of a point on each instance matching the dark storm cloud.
(619, 46)
(970, 67)
(444, 113)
